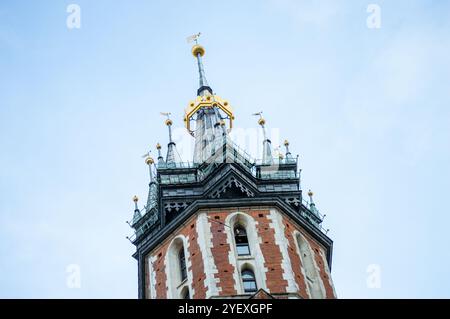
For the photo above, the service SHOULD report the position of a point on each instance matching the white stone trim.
(168, 272)
(171, 263)
(281, 241)
(232, 259)
(187, 257)
(317, 279)
(327, 271)
(151, 289)
(204, 240)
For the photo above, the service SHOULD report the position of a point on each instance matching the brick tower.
(225, 225)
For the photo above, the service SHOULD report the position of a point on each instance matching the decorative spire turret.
(288, 153)
(149, 161)
(137, 213)
(172, 154)
(312, 205)
(208, 111)
(280, 157)
(267, 158)
(198, 52)
(160, 157)
(311, 194)
(152, 199)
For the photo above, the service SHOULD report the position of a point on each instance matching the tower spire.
(312, 205)
(198, 52)
(267, 158)
(160, 157)
(209, 112)
(149, 161)
(137, 213)
(172, 154)
(152, 199)
(288, 152)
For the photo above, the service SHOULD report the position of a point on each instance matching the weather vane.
(166, 114)
(258, 114)
(193, 38)
(146, 154)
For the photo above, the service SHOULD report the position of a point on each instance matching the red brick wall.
(160, 269)
(196, 259)
(296, 262)
(220, 253)
(317, 257)
(271, 252)
(320, 263)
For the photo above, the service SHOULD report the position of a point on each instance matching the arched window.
(185, 293)
(240, 237)
(312, 275)
(182, 261)
(248, 281)
(177, 268)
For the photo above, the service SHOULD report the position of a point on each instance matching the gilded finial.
(149, 160)
(198, 49)
(198, 52)
(168, 120)
(286, 143)
(310, 193)
(261, 120)
(137, 213)
(158, 146)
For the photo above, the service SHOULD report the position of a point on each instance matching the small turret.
(160, 157)
(172, 157)
(152, 199)
(288, 153)
(312, 205)
(137, 213)
(267, 158)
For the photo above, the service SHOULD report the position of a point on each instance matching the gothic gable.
(232, 184)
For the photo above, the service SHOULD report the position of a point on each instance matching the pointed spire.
(137, 213)
(209, 112)
(198, 52)
(152, 199)
(311, 194)
(312, 205)
(172, 154)
(288, 153)
(280, 158)
(160, 157)
(267, 158)
(149, 161)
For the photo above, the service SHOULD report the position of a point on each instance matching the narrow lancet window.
(249, 281)
(241, 239)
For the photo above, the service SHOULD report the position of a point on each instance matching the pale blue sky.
(368, 110)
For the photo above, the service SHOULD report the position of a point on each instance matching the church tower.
(225, 225)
